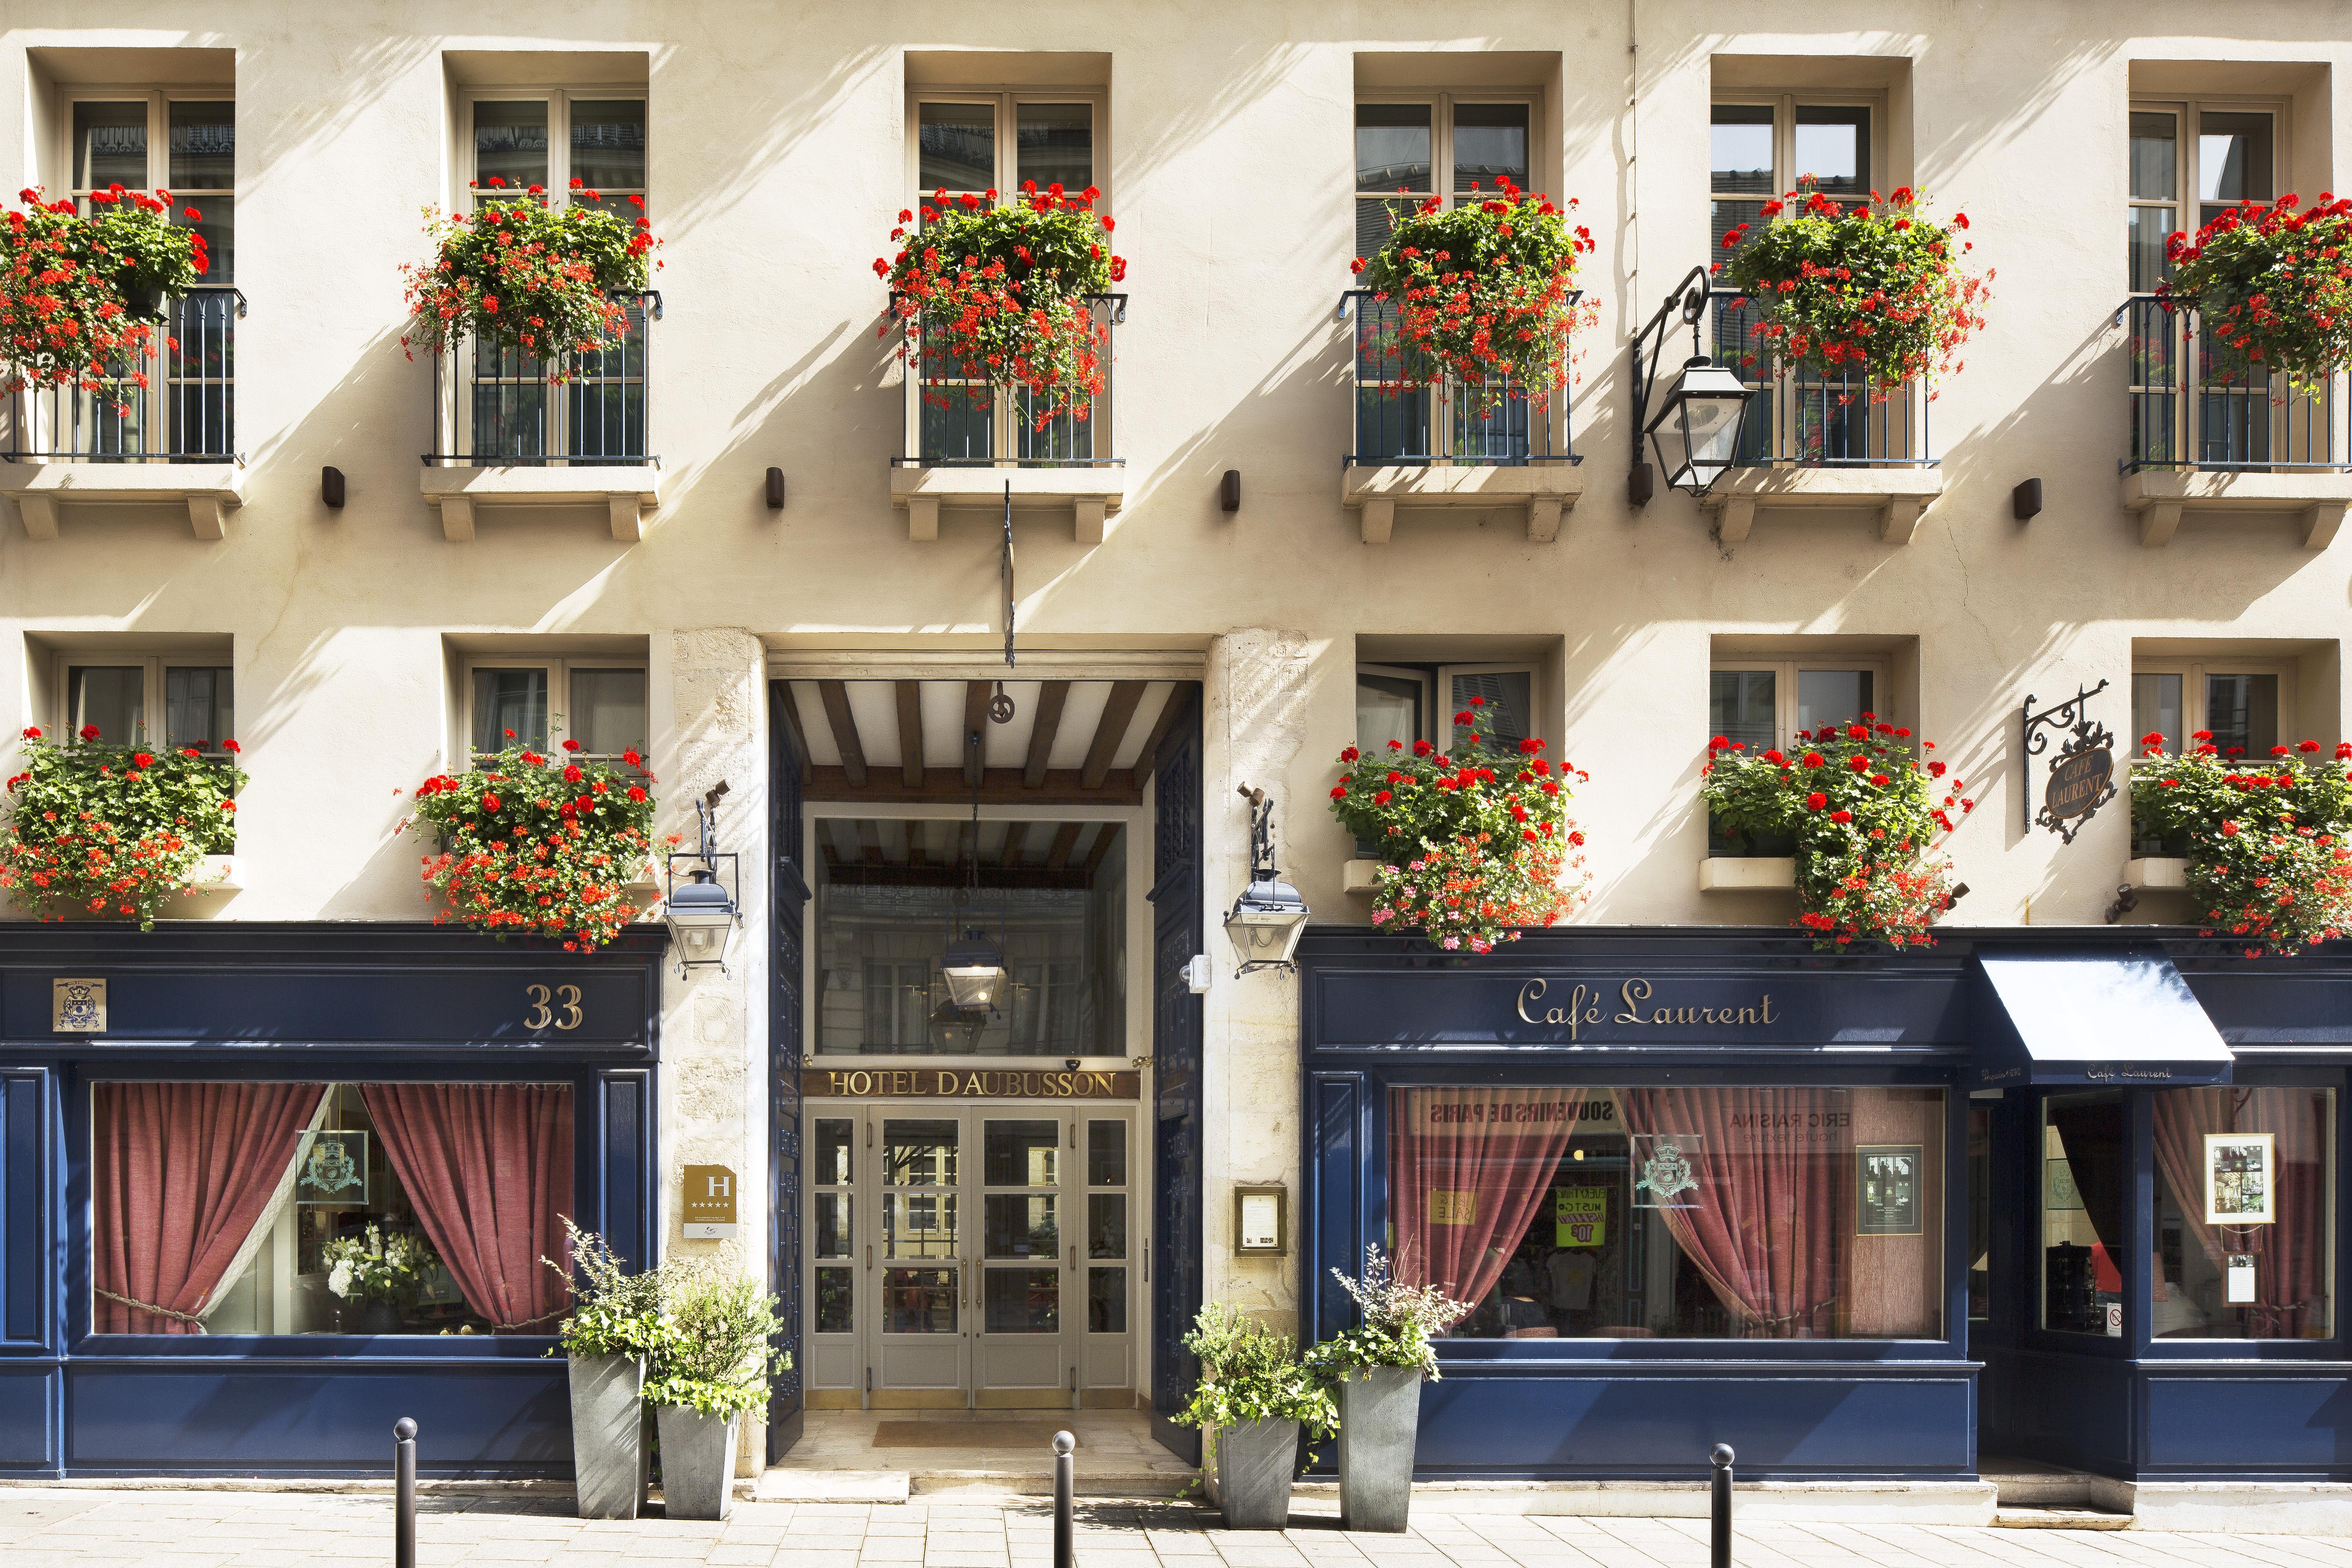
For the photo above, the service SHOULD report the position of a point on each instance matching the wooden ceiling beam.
(910, 733)
(1050, 699)
(975, 731)
(1118, 714)
(998, 786)
(1016, 835)
(1065, 839)
(1107, 836)
(838, 719)
(1170, 711)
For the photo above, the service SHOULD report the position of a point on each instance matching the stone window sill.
(1542, 493)
(209, 490)
(1747, 874)
(1899, 496)
(1091, 495)
(2161, 496)
(629, 493)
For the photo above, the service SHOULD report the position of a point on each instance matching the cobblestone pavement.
(59, 1528)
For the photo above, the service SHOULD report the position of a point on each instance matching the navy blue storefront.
(1999, 1245)
(373, 1006)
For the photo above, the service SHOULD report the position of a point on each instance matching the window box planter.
(2316, 498)
(1747, 874)
(1899, 496)
(217, 874)
(210, 490)
(1542, 493)
(1356, 876)
(2157, 873)
(1091, 495)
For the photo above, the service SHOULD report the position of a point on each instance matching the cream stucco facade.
(777, 156)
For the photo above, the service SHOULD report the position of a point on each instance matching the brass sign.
(2080, 783)
(2081, 775)
(966, 1083)
(709, 1207)
(77, 1006)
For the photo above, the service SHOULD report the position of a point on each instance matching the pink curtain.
(180, 1173)
(1764, 1226)
(488, 1167)
(1467, 1168)
(2289, 1253)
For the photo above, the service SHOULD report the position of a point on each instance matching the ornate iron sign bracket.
(2082, 777)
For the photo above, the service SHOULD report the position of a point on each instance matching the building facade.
(749, 548)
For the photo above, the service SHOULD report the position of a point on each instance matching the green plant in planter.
(613, 1311)
(1866, 822)
(2270, 842)
(1873, 290)
(2271, 283)
(79, 296)
(1399, 1320)
(1250, 1372)
(711, 1353)
(523, 274)
(114, 830)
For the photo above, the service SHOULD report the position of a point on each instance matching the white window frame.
(559, 100)
(1784, 685)
(1442, 105)
(1784, 106)
(2193, 671)
(2188, 115)
(1427, 682)
(560, 668)
(1437, 692)
(151, 730)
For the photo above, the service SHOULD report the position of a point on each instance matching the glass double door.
(961, 1257)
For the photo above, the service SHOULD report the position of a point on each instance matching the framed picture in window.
(2059, 1193)
(1886, 1188)
(334, 1170)
(2239, 1184)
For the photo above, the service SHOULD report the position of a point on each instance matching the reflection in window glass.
(199, 707)
(608, 710)
(510, 145)
(835, 1301)
(1834, 148)
(830, 1152)
(2245, 1213)
(1832, 697)
(1055, 145)
(2243, 712)
(2084, 1167)
(1979, 1211)
(1393, 143)
(1740, 707)
(1506, 696)
(831, 1232)
(2234, 159)
(1021, 1225)
(251, 1207)
(2155, 710)
(1024, 1301)
(955, 146)
(1022, 1154)
(1739, 150)
(1106, 1301)
(1699, 1212)
(109, 146)
(608, 148)
(1388, 708)
(1490, 145)
(918, 1300)
(203, 165)
(1106, 1225)
(2155, 155)
(1105, 1154)
(111, 697)
(510, 709)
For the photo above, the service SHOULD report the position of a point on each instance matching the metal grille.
(1402, 418)
(496, 406)
(2196, 403)
(1802, 417)
(187, 412)
(954, 417)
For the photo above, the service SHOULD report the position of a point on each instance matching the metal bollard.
(1719, 1528)
(403, 1493)
(1065, 1469)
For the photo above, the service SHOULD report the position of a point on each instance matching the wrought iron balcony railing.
(952, 419)
(1803, 418)
(2199, 404)
(498, 407)
(1403, 419)
(186, 412)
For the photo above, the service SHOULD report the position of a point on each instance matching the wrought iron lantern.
(1266, 921)
(1696, 430)
(702, 915)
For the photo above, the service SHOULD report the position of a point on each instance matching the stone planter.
(609, 1462)
(1256, 1462)
(698, 1458)
(1380, 1417)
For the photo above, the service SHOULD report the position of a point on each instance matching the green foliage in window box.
(79, 296)
(114, 830)
(2269, 844)
(2272, 284)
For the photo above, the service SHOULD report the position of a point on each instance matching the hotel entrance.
(967, 1257)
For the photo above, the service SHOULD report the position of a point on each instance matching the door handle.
(1073, 1255)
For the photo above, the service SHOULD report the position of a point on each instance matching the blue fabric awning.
(2120, 1018)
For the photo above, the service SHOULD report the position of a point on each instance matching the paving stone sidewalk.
(58, 1528)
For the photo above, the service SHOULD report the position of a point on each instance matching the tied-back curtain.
(2289, 1253)
(181, 1173)
(1467, 1168)
(488, 1167)
(1764, 1226)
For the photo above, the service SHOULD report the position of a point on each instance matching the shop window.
(892, 893)
(2085, 1162)
(1398, 703)
(2242, 704)
(253, 1207)
(541, 703)
(1979, 1211)
(1760, 703)
(1412, 147)
(132, 700)
(1701, 1213)
(2245, 1214)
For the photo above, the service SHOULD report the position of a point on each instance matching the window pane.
(204, 145)
(830, 1152)
(1490, 145)
(608, 710)
(2245, 1215)
(510, 709)
(1105, 1154)
(1106, 1301)
(113, 698)
(510, 144)
(919, 1301)
(2150, 228)
(1979, 1211)
(1024, 1153)
(1742, 707)
(1832, 697)
(835, 1294)
(831, 1228)
(1392, 148)
(1739, 152)
(608, 144)
(1024, 1301)
(1021, 1225)
(955, 146)
(199, 706)
(1507, 698)
(2156, 710)
(2233, 157)
(1055, 145)
(1105, 1225)
(2243, 712)
(1376, 220)
(2154, 156)
(1833, 147)
(1388, 708)
(2083, 1175)
(1699, 1212)
(109, 146)
(326, 1236)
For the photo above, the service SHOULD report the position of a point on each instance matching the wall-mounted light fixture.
(1695, 427)
(775, 490)
(2025, 500)
(330, 485)
(1229, 491)
(701, 913)
(1268, 918)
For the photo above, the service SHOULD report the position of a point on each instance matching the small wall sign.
(2237, 1182)
(1262, 1221)
(1886, 1188)
(709, 1211)
(77, 1007)
(2082, 777)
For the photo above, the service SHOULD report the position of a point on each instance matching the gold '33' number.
(565, 1000)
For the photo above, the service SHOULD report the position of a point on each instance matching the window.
(1394, 703)
(2245, 1213)
(832, 1180)
(1696, 1213)
(2197, 158)
(892, 893)
(1762, 703)
(2084, 1166)
(1979, 1211)
(541, 703)
(135, 701)
(521, 138)
(2243, 703)
(251, 1207)
(1403, 148)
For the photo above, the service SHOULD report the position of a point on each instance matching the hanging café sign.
(2081, 776)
